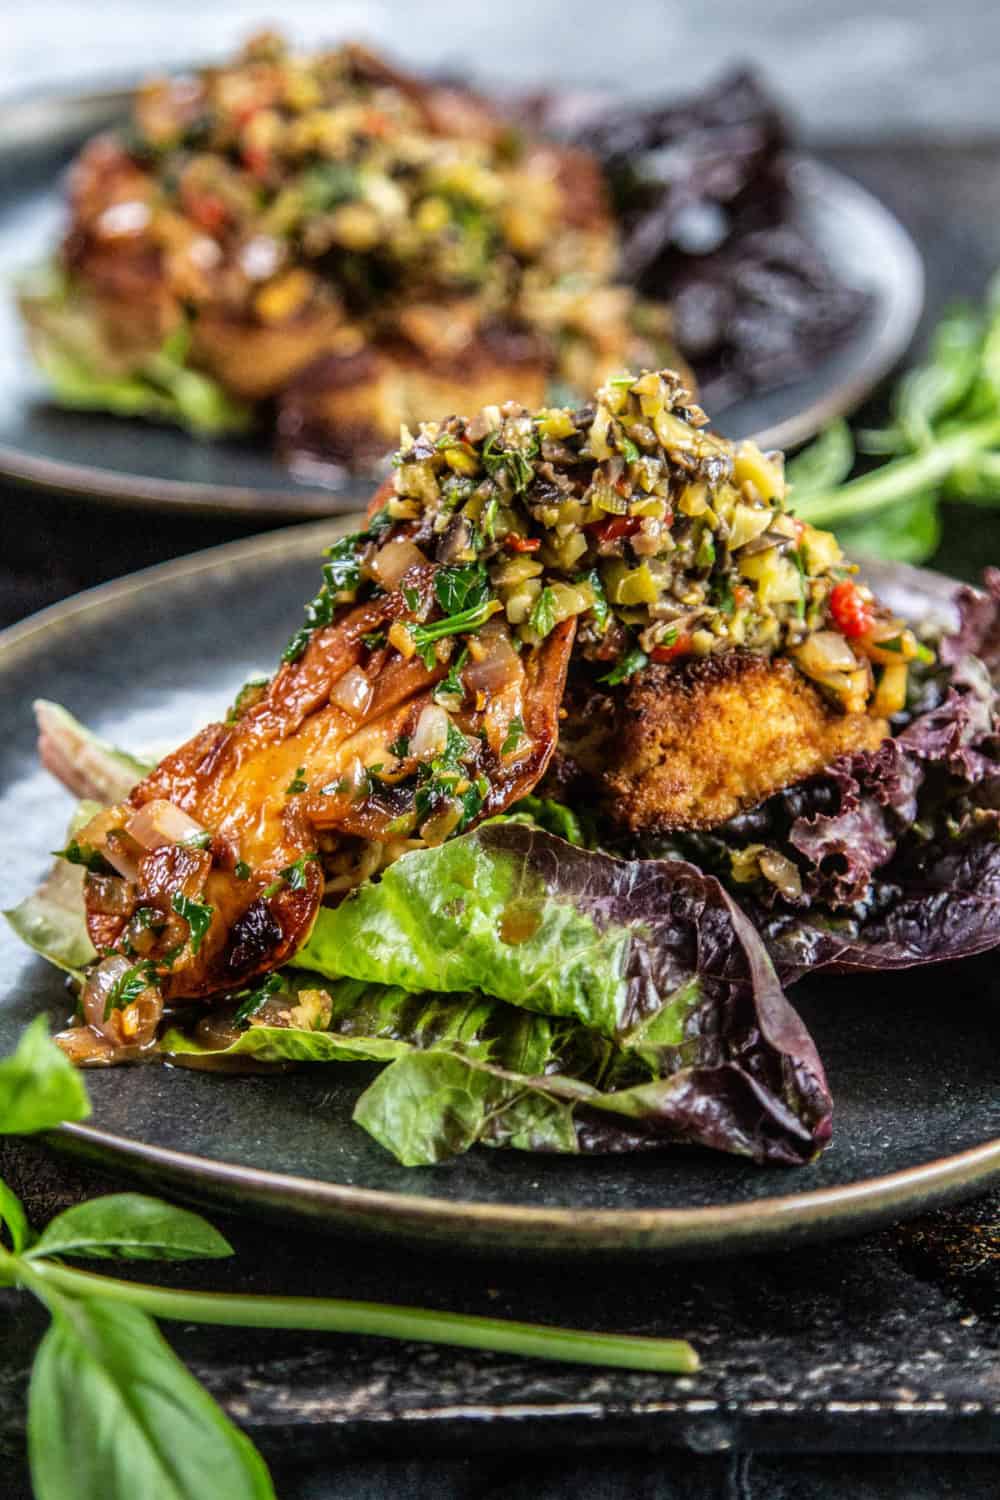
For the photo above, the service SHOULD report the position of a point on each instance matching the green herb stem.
(334, 1315)
(901, 478)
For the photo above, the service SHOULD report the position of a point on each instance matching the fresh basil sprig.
(942, 443)
(113, 1414)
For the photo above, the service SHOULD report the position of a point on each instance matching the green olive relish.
(664, 540)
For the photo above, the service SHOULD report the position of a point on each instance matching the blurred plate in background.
(136, 463)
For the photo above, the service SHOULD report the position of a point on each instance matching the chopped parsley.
(129, 986)
(197, 914)
(92, 859)
(543, 616)
(341, 581)
(626, 666)
(722, 595)
(199, 840)
(293, 876)
(515, 734)
(242, 870)
(297, 784)
(451, 687)
(514, 462)
(600, 610)
(400, 747)
(252, 1000)
(460, 588)
(424, 636)
(249, 694)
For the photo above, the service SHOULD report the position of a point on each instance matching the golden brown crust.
(350, 409)
(692, 745)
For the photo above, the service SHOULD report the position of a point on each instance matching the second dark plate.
(134, 463)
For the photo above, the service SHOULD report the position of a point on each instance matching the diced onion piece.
(431, 734)
(136, 1023)
(499, 667)
(782, 873)
(890, 695)
(352, 692)
(161, 822)
(122, 853)
(393, 560)
(825, 651)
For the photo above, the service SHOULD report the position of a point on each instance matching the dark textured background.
(865, 1369)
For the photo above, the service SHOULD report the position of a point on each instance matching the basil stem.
(335, 1315)
(900, 478)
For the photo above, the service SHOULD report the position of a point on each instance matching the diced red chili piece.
(681, 647)
(209, 211)
(852, 613)
(522, 543)
(257, 160)
(614, 527)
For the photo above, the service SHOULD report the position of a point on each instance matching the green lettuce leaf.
(69, 349)
(652, 1011)
(51, 920)
(81, 760)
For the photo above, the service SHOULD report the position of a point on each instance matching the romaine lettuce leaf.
(464, 1069)
(81, 760)
(651, 956)
(51, 920)
(69, 350)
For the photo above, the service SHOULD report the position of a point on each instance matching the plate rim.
(811, 178)
(720, 1229)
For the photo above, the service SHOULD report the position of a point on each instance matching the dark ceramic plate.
(132, 463)
(912, 1061)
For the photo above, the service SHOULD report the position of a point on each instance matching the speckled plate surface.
(912, 1059)
(138, 464)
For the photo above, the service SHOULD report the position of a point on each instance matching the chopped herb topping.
(373, 639)
(242, 870)
(424, 636)
(129, 986)
(197, 914)
(543, 615)
(252, 1000)
(412, 597)
(293, 876)
(461, 588)
(451, 689)
(341, 581)
(92, 859)
(633, 661)
(199, 840)
(400, 747)
(249, 694)
(515, 734)
(297, 783)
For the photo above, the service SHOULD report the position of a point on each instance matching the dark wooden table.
(883, 1351)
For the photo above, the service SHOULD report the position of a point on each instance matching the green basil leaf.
(13, 1217)
(39, 1087)
(114, 1415)
(130, 1226)
(823, 465)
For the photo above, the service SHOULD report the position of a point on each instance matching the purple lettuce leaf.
(652, 956)
(898, 850)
